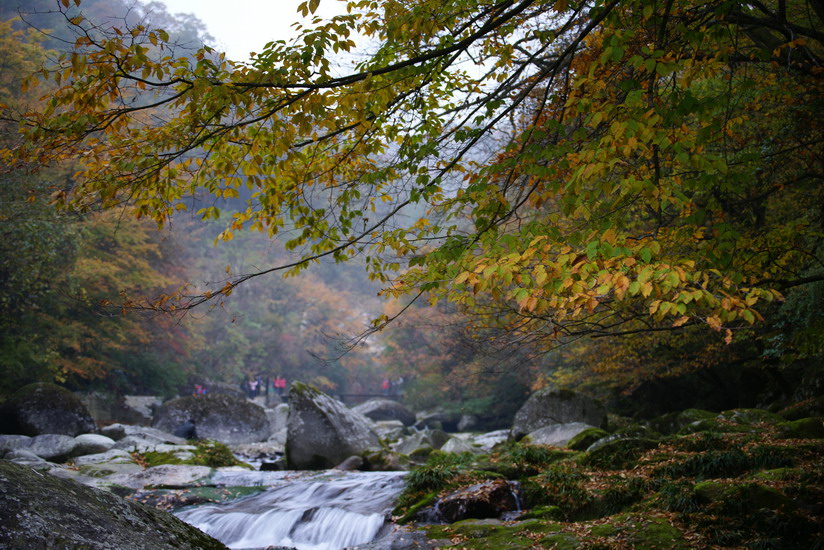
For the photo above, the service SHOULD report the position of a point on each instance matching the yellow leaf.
(680, 321)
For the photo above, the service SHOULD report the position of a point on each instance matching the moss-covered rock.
(551, 512)
(750, 416)
(618, 453)
(656, 534)
(673, 422)
(803, 428)
(804, 409)
(41, 408)
(42, 511)
(717, 426)
(744, 497)
(491, 534)
(583, 440)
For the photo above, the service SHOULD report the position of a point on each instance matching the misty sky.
(242, 26)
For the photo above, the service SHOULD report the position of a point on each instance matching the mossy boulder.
(493, 534)
(750, 416)
(673, 422)
(44, 512)
(41, 408)
(225, 418)
(617, 453)
(741, 497)
(717, 426)
(655, 534)
(586, 438)
(550, 512)
(804, 409)
(803, 428)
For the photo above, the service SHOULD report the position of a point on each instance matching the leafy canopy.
(558, 168)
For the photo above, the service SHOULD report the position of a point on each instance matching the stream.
(327, 510)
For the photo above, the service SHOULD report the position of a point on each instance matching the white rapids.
(328, 510)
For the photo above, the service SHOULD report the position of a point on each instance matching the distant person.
(385, 386)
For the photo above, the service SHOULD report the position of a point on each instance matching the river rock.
(10, 443)
(432, 439)
(557, 435)
(28, 458)
(87, 444)
(458, 445)
(468, 422)
(45, 512)
(166, 475)
(138, 443)
(277, 417)
(490, 439)
(322, 432)
(41, 408)
(484, 500)
(120, 431)
(230, 420)
(99, 458)
(391, 430)
(386, 409)
(52, 447)
(438, 420)
(557, 406)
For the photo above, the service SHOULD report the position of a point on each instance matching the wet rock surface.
(44, 512)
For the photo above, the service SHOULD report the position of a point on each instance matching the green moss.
(551, 512)
(617, 454)
(207, 453)
(493, 534)
(561, 541)
(803, 428)
(804, 409)
(777, 474)
(714, 425)
(656, 534)
(750, 416)
(404, 513)
(583, 440)
(737, 498)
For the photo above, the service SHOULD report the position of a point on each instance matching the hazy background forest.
(60, 272)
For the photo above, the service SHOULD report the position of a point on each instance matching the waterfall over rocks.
(328, 510)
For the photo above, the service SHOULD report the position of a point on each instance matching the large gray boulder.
(220, 417)
(557, 406)
(322, 432)
(385, 409)
(88, 444)
(41, 408)
(42, 512)
(52, 447)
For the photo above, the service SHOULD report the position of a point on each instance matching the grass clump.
(206, 453)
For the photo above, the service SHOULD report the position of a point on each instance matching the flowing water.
(306, 510)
